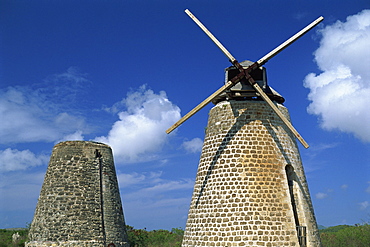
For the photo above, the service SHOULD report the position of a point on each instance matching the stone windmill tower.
(250, 188)
(79, 203)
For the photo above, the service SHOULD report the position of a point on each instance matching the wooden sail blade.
(205, 102)
(246, 72)
(289, 41)
(278, 112)
(268, 56)
(210, 35)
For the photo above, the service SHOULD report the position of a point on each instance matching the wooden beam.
(278, 112)
(205, 102)
(210, 35)
(230, 84)
(289, 41)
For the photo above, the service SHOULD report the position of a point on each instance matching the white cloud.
(321, 195)
(364, 205)
(40, 112)
(19, 190)
(127, 180)
(300, 15)
(13, 160)
(150, 184)
(148, 198)
(158, 213)
(64, 88)
(77, 136)
(169, 186)
(344, 186)
(193, 146)
(140, 130)
(340, 94)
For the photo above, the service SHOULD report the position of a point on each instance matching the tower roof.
(243, 90)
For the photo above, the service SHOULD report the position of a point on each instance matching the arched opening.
(294, 200)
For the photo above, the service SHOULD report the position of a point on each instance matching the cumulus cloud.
(35, 113)
(77, 136)
(364, 205)
(321, 195)
(340, 94)
(140, 130)
(193, 146)
(13, 160)
(150, 196)
(151, 184)
(19, 191)
(126, 180)
(170, 186)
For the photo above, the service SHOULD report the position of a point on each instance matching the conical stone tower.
(79, 203)
(250, 188)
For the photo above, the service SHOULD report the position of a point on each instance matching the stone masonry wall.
(79, 203)
(241, 195)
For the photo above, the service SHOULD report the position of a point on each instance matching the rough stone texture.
(250, 188)
(79, 203)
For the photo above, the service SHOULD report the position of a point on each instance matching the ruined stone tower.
(250, 188)
(79, 203)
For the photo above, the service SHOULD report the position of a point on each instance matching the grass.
(336, 236)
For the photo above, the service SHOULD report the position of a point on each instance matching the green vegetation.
(155, 238)
(346, 236)
(6, 237)
(136, 237)
(336, 236)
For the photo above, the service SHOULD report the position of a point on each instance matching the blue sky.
(122, 72)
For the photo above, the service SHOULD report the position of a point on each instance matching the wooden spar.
(268, 56)
(278, 112)
(228, 85)
(205, 102)
(210, 35)
(289, 41)
(246, 71)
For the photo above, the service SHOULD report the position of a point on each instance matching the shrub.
(155, 238)
(346, 236)
(6, 237)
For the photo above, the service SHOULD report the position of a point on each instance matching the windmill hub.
(243, 89)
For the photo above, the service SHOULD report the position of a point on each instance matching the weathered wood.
(289, 41)
(280, 115)
(205, 102)
(260, 62)
(210, 35)
(228, 85)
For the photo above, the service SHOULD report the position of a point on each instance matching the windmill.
(250, 188)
